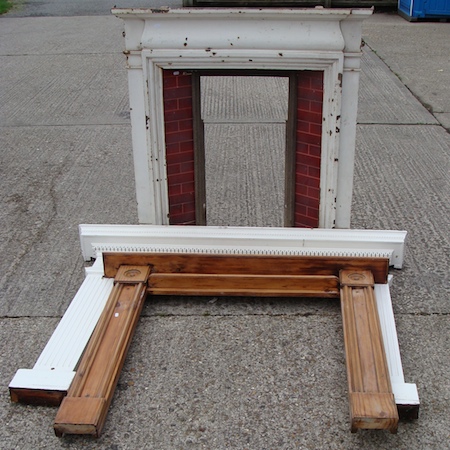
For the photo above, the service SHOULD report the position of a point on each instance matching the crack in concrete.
(426, 105)
(40, 230)
(209, 314)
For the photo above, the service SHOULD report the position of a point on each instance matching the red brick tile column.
(308, 148)
(178, 120)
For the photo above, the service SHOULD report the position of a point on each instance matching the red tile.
(177, 114)
(315, 150)
(306, 201)
(173, 169)
(178, 92)
(308, 138)
(175, 210)
(188, 187)
(186, 124)
(170, 127)
(311, 182)
(180, 157)
(315, 129)
(185, 103)
(179, 136)
(314, 172)
(182, 219)
(172, 148)
(187, 167)
(181, 178)
(175, 189)
(185, 80)
(309, 160)
(180, 199)
(187, 146)
(316, 106)
(170, 105)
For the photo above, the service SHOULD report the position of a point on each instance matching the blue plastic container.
(424, 9)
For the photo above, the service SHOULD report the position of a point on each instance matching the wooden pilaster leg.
(372, 403)
(84, 409)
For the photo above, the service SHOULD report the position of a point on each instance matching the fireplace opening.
(249, 135)
(244, 119)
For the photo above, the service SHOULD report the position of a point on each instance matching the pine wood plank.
(372, 403)
(84, 409)
(243, 285)
(246, 264)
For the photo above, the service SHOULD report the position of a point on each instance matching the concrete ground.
(214, 373)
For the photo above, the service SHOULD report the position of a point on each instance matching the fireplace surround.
(164, 47)
(166, 50)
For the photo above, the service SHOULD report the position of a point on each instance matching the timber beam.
(179, 263)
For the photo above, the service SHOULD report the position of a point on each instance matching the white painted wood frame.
(405, 393)
(55, 367)
(244, 38)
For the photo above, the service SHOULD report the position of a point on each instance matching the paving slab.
(207, 372)
(165, 306)
(243, 187)
(23, 427)
(275, 394)
(444, 119)
(384, 99)
(402, 181)
(76, 89)
(52, 179)
(39, 8)
(60, 35)
(418, 53)
(240, 382)
(244, 99)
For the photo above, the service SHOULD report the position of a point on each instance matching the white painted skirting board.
(97, 239)
(55, 367)
(404, 393)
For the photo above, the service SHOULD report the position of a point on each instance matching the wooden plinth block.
(39, 397)
(372, 411)
(84, 409)
(81, 415)
(372, 403)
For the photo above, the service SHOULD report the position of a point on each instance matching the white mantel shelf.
(318, 12)
(96, 239)
(238, 27)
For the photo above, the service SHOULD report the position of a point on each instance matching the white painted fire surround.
(240, 38)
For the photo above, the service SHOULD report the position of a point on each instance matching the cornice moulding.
(97, 239)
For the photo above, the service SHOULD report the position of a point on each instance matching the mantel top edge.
(317, 13)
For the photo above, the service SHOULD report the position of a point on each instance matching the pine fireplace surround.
(244, 40)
